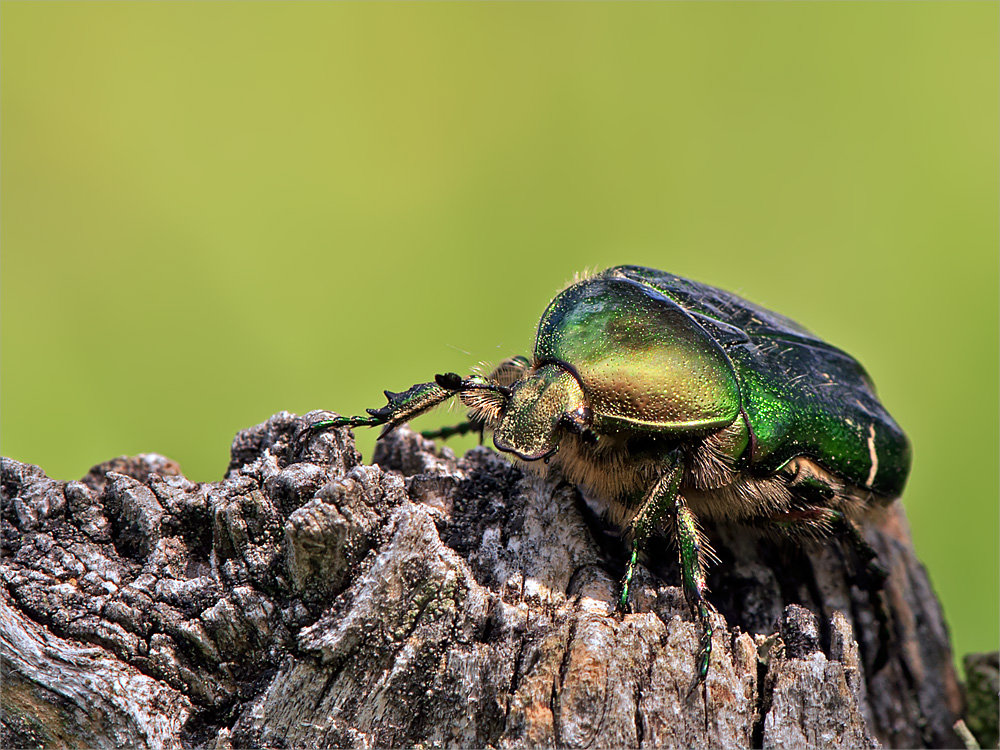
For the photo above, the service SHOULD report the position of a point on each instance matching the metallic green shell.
(643, 362)
(800, 396)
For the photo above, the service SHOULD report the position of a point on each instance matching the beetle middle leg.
(694, 550)
(656, 506)
(662, 502)
(463, 428)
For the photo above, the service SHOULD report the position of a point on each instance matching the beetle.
(674, 401)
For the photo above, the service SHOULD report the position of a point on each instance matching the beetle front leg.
(401, 408)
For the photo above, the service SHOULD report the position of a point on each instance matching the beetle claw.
(301, 440)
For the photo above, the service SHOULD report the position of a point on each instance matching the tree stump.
(312, 601)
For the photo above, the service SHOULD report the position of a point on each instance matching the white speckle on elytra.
(873, 454)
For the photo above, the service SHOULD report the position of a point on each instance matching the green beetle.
(671, 401)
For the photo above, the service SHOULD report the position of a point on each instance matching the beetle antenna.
(451, 381)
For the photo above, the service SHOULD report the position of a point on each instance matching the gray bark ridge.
(313, 601)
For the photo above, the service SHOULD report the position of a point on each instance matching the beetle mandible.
(671, 401)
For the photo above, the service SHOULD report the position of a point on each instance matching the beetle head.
(540, 406)
(527, 409)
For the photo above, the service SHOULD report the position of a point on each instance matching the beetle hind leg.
(871, 577)
(807, 523)
(816, 522)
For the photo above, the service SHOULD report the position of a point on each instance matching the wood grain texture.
(311, 600)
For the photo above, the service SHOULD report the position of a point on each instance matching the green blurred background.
(215, 211)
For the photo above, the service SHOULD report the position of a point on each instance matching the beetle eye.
(578, 422)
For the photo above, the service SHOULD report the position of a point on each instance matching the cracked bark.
(313, 601)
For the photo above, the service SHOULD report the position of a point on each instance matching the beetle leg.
(693, 550)
(850, 531)
(813, 522)
(657, 504)
(873, 579)
(819, 522)
(663, 501)
(402, 407)
(464, 428)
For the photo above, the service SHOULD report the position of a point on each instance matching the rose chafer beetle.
(673, 401)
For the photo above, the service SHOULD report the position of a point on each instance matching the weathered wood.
(312, 601)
